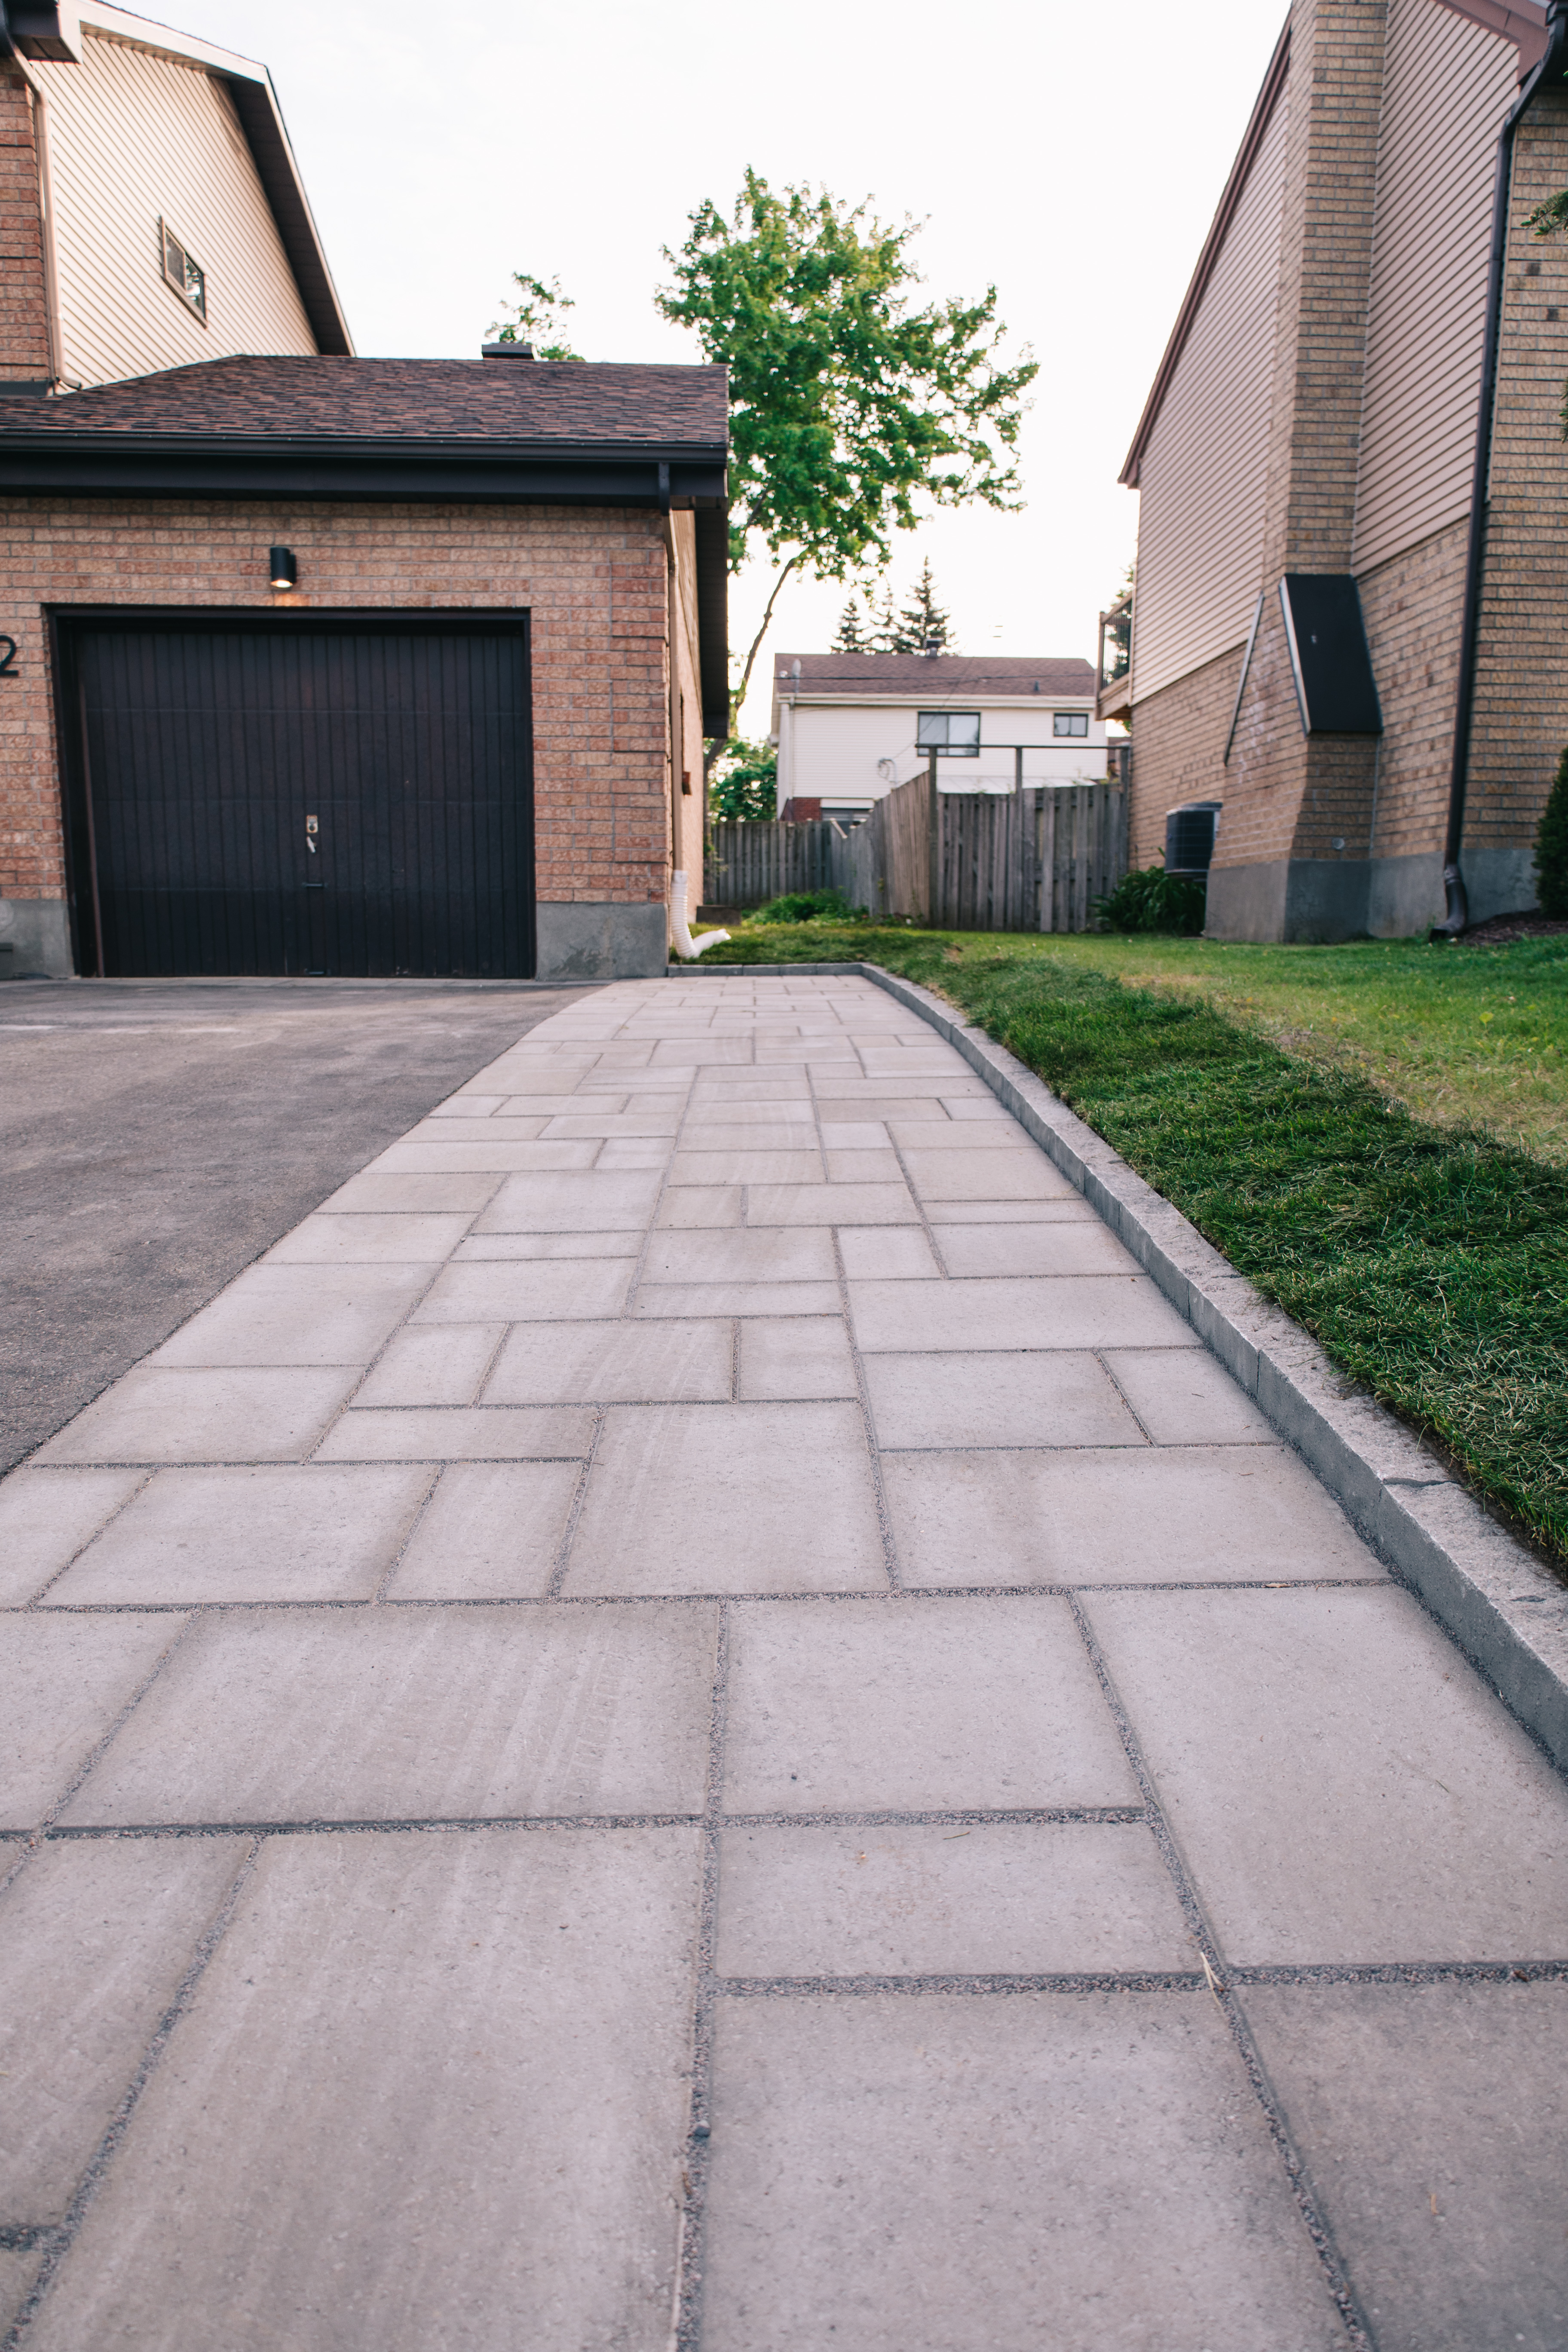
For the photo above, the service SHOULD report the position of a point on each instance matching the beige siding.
(135, 137)
(1203, 474)
(1448, 85)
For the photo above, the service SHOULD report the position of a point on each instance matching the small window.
(954, 733)
(185, 276)
(1070, 723)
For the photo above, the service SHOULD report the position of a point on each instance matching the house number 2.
(8, 657)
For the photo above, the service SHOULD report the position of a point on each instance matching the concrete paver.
(912, 2174)
(769, 1754)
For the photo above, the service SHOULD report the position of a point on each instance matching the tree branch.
(739, 697)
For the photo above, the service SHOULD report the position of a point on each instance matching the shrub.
(1153, 900)
(1551, 848)
(807, 906)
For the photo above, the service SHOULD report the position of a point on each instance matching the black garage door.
(293, 795)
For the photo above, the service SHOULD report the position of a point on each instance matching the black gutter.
(1456, 912)
(287, 472)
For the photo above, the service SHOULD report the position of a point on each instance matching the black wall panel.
(201, 747)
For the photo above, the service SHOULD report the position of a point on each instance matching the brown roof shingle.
(937, 678)
(533, 404)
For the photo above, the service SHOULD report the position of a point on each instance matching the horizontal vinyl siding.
(1203, 474)
(1447, 86)
(133, 137)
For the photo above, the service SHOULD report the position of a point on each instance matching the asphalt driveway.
(158, 1135)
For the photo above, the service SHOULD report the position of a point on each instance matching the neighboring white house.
(849, 727)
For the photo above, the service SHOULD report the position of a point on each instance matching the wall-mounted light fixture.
(285, 570)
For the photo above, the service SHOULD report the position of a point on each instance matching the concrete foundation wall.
(601, 942)
(34, 938)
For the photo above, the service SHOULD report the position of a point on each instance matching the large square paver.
(67, 1680)
(591, 1202)
(270, 1416)
(274, 1534)
(1344, 1787)
(1064, 1311)
(1137, 1516)
(915, 1706)
(386, 1239)
(804, 1356)
(459, 1434)
(418, 1713)
(527, 1290)
(95, 1936)
(1183, 1397)
(297, 1315)
(830, 1204)
(1016, 1898)
(434, 1364)
(1064, 1246)
(1432, 2121)
(46, 1516)
(614, 1363)
(729, 1499)
(1054, 1398)
(779, 1253)
(491, 1531)
(1066, 2172)
(1020, 1172)
(431, 2094)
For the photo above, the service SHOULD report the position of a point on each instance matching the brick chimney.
(23, 301)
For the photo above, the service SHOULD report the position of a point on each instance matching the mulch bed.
(1499, 929)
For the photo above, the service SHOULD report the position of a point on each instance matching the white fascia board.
(163, 40)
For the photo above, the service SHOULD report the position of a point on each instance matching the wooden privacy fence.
(752, 860)
(1034, 860)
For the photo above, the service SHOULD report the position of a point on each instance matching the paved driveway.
(157, 1135)
(692, 1716)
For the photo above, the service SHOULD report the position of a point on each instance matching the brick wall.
(595, 581)
(1334, 96)
(1413, 605)
(1521, 677)
(1176, 748)
(24, 308)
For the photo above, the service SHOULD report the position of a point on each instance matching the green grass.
(1426, 1250)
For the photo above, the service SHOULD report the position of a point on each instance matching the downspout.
(1457, 912)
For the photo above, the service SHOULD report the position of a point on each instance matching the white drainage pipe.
(686, 946)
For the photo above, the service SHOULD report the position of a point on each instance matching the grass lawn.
(1342, 1124)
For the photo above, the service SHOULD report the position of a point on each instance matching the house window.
(954, 733)
(185, 276)
(1070, 723)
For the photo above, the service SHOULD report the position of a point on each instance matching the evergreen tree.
(884, 620)
(923, 627)
(854, 630)
(1551, 848)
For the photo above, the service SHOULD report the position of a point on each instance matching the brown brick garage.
(619, 587)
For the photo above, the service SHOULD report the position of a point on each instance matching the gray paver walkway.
(691, 1716)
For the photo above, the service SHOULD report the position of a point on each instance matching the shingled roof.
(523, 403)
(506, 431)
(933, 678)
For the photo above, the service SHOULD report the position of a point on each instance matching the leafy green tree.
(540, 317)
(856, 630)
(849, 400)
(743, 780)
(1117, 647)
(1551, 848)
(923, 627)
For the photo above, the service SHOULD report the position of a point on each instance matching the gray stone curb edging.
(1506, 1611)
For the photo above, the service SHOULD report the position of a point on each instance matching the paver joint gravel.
(678, 1728)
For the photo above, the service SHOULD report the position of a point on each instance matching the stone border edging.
(1504, 1609)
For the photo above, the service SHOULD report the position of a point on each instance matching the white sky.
(1073, 153)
